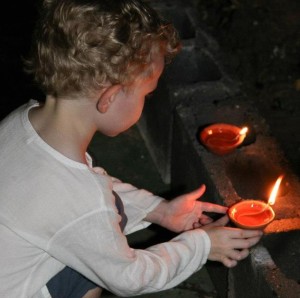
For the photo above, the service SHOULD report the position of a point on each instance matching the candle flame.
(244, 130)
(274, 191)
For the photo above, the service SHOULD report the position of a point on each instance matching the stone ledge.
(197, 65)
(247, 173)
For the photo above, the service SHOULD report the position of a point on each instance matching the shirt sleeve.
(137, 204)
(95, 246)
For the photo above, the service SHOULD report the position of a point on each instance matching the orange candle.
(222, 138)
(251, 214)
(254, 214)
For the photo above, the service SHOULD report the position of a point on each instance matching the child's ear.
(107, 97)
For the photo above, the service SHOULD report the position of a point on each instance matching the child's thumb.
(197, 193)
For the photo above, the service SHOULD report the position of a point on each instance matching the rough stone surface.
(247, 173)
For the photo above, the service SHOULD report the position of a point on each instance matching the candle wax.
(254, 219)
(222, 138)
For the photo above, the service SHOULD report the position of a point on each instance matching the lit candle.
(273, 195)
(243, 132)
(254, 214)
(222, 138)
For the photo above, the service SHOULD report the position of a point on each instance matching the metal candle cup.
(222, 138)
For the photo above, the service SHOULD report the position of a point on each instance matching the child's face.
(129, 102)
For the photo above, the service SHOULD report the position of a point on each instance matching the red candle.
(256, 220)
(253, 214)
(222, 138)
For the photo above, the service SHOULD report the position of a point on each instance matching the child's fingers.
(238, 255)
(229, 262)
(197, 193)
(232, 258)
(221, 222)
(241, 233)
(244, 253)
(197, 225)
(245, 243)
(205, 220)
(215, 208)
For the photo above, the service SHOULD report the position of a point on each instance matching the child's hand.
(230, 245)
(184, 212)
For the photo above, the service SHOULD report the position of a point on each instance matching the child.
(63, 222)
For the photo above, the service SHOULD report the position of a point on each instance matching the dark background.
(17, 20)
(261, 44)
(260, 40)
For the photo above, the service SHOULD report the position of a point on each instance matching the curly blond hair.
(81, 45)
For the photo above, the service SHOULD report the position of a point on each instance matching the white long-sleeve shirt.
(56, 212)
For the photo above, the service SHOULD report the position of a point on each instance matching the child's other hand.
(230, 245)
(185, 212)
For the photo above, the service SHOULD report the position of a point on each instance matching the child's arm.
(228, 245)
(94, 246)
(138, 203)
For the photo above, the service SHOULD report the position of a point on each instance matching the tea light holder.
(251, 214)
(254, 214)
(222, 138)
